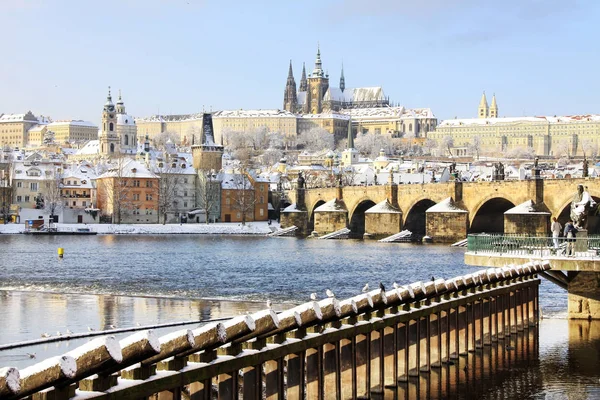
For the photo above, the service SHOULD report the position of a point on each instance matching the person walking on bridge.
(571, 234)
(556, 229)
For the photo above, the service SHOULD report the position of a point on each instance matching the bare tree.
(590, 148)
(316, 139)
(562, 149)
(475, 146)
(429, 145)
(521, 153)
(371, 145)
(169, 183)
(160, 140)
(243, 199)
(51, 195)
(446, 145)
(349, 175)
(208, 191)
(6, 190)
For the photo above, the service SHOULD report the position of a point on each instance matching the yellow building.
(186, 127)
(70, 131)
(395, 121)
(555, 136)
(335, 123)
(14, 129)
(248, 120)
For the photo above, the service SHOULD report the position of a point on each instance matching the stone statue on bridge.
(300, 180)
(580, 207)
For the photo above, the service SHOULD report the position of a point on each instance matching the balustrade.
(335, 349)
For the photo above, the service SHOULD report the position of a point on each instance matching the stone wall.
(584, 295)
(447, 226)
(297, 218)
(380, 225)
(527, 224)
(330, 221)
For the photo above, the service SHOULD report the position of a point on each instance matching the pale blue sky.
(58, 57)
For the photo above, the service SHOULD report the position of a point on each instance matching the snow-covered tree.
(169, 184)
(208, 193)
(562, 149)
(51, 195)
(370, 145)
(316, 139)
(589, 148)
(161, 139)
(446, 145)
(475, 146)
(243, 199)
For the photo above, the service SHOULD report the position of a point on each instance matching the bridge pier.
(584, 294)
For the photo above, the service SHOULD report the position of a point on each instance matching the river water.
(126, 281)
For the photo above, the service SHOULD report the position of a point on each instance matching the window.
(111, 127)
(136, 183)
(185, 193)
(136, 196)
(227, 201)
(262, 212)
(84, 203)
(33, 186)
(148, 197)
(74, 202)
(19, 199)
(148, 183)
(19, 184)
(185, 203)
(26, 198)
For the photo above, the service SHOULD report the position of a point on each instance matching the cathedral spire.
(342, 80)
(290, 100)
(303, 83)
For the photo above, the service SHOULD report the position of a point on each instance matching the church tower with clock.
(109, 139)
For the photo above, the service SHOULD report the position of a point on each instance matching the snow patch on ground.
(221, 228)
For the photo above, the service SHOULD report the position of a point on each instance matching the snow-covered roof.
(383, 208)
(389, 112)
(37, 128)
(170, 118)
(365, 94)
(325, 115)
(91, 147)
(234, 181)
(124, 119)
(446, 205)
(273, 113)
(527, 207)
(517, 120)
(331, 206)
(72, 122)
(291, 208)
(128, 169)
(18, 117)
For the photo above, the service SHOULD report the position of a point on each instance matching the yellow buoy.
(61, 252)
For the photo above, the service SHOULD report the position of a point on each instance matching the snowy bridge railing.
(322, 349)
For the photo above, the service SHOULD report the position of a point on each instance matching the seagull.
(329, 293)
(45, 335)
(111, 326)
(395, 285)
(69, 332)
(90, 329)
(31, 355)
(58, 333)
(365, 288)
(381, 287)
(137, 324)
(313, 296)
(269, 304)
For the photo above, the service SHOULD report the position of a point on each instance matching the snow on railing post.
(134, 349)
(265, 321)
(9, 381)
(171, 345)
(51, 372)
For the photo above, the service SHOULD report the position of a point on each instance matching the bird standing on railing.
(90, 329)
(395, 285)
(313, 296)
(31, 355)
(269, 304)
(329, 293)
(381, 287)
(45, 335)
(365, 289)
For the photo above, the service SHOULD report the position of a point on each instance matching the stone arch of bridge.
(357, 204)
(489, 217)
(357, 221)
(473, 210)
(416, 217)
(311, 215)
(316, 203)
(563, 214)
